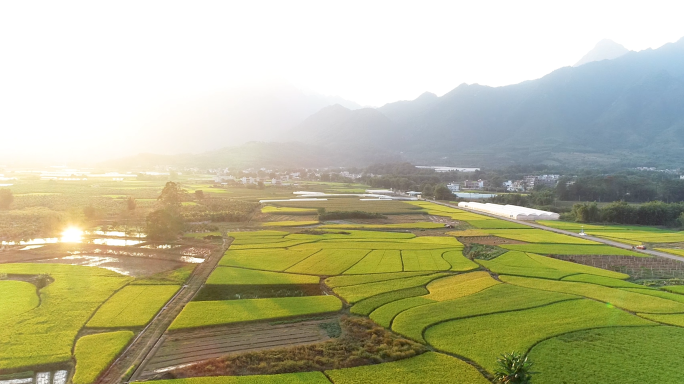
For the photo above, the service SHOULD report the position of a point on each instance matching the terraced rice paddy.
(625, 233)
(16, 297)
(628, 355)
(94, 353)
(207, 313)
(482, 337)
(132, 306)
(46, 333)
(571, 319)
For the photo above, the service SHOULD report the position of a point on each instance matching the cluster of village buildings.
(526, 184)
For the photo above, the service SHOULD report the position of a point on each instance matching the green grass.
(672, 319)
(329, 261)
(674, 289)
(269, 243)
(676, 252)
(288, 210)
(459, 262)
(416, 243)
(16, 297)
(94, 353)
(633, 234)
(289, 223)
(416, 225)
(346, 280)
(456, 286)
(354, 204)
(631, 301)
(657, 293)
(283, 378)
(46, 334)
(483, 338)
(571, 249)
(424, 260)
(132, 306)
(207, 313)
(355, 293)
(501, 297)
(430, 367)
(240, 276)
(276, 259)
(604, 281)
(365, 307)
(625, 355)
(531, 265)
(384, 314)
(378, 261)
(537, 236)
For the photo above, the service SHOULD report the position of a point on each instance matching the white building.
(454, 187)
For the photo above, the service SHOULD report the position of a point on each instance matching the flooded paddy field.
(128, 257)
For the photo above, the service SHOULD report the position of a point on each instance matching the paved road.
(148, 338)
(563, 232)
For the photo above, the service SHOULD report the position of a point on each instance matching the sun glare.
(72, 235)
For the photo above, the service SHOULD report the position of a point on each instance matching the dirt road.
(563, 232)
(147, 339)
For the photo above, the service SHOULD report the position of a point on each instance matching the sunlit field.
(250, 292)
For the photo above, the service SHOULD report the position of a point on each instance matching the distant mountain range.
(605, 50)
(627, 110)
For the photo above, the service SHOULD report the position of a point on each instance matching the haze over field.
(84, 81)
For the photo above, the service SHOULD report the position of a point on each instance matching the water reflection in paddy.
(125, 265)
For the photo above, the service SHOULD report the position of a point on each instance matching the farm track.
(194, 346)
(139, 349)
(563, 232)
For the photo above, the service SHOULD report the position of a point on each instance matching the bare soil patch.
(361, 342)
(194, 346)
(487, 240)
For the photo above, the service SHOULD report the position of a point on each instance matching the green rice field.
(415, 283)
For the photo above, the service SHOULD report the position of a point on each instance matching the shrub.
(513, 368)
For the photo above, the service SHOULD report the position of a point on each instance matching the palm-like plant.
(514, 368)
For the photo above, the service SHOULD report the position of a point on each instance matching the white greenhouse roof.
(511, 211)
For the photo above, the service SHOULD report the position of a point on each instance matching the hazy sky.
(70, 70)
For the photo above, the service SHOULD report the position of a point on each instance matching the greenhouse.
(510, 211)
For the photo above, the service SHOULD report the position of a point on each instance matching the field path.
(563, 232)
(149, 337)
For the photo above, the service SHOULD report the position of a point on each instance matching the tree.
(428, 191)
(171, 195)
(90, 212)
(6, 198)
(442, 192)
(513, 368)
(681, 220)
(164, 224)
(131, 204)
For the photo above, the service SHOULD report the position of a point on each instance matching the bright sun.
(72, 235)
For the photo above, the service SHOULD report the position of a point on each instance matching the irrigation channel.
(563, 232)
(148, 339)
